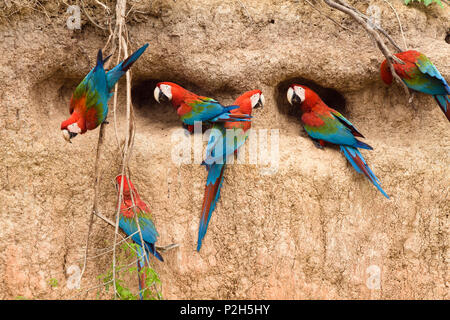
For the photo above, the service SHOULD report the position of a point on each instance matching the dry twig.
(101, 136)
(399, 23)
(120, 16)
(327, 16)
(364, 22)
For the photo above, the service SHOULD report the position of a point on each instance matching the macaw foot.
(411, 100)
(106, 122)
(318, 144)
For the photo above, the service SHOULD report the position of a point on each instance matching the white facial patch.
(74, 128)
(300, 92)
(167, 90)
(254, 99)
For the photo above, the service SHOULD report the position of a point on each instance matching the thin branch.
(101, 139)
(327, 16)
(96, 169)
(160, 248)
(246, 11)
(101, 216)
(110, 249)
(375, 26)
(89, 17)
(108, 10)
(400, 25)
(130, 133)
(125, 267)
(120, 15)
(390, 58)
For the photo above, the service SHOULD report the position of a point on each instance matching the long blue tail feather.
(359, 164)
(113, 75)
(212, 192)
(141, 263)
(362, 145)
(444, 103)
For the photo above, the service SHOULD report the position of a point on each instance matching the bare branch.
(89, 17)
(373, 25)
(160, 248)
(101, 136)
(400, 25)
(327, 16)
(120, 16)
(390, 58)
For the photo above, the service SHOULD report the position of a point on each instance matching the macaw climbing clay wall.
(313, 229)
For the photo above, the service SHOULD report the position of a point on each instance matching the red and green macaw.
(419, 74)
(324, 124)
(127, 222)
(191, 107)
(230, 136)
(89, 102)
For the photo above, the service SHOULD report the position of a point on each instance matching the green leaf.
(53, 282)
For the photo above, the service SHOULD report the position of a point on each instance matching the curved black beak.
(160, 96)
(296, 99)
(261, 101)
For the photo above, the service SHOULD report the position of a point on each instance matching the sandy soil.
(314, 229)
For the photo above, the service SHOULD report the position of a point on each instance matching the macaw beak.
(67, 135)
(159, 95)
(260, 103)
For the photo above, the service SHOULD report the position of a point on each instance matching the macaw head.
(301, 95)
(248, 101)
(126, 187)
(169, 91)
(385, 73)
(71, 127)
(296, 94)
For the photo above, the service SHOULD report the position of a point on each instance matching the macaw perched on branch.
(215, 163)
(418, 73)
(191, 107)
(89, 102)
(324, 124)
(127, 222)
